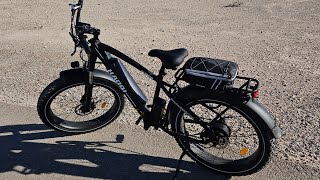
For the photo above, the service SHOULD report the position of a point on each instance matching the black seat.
(170, 59)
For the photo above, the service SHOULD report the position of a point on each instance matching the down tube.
(127, 84)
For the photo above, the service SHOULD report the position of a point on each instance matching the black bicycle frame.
(125, 81)
(129, 86)
(122, 77)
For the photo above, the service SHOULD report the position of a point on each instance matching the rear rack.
(250, 86)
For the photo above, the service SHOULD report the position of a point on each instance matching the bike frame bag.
(209, 73)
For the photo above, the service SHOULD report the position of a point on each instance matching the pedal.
(139, 119)
(146, 121)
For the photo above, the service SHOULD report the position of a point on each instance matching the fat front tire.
(242, 144)
(59, 105)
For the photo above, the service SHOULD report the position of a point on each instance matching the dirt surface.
(29, 150)
(276, 42)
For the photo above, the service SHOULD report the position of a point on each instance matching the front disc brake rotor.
(81, 110)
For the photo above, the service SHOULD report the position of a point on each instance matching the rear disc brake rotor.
(221, 136)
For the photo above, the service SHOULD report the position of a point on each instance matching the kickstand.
(178, 166)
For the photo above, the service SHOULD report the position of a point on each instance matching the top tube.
(104, 47)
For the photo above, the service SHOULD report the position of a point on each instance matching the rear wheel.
(60, 105)
(238, 142)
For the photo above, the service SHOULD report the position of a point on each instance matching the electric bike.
(217, 123)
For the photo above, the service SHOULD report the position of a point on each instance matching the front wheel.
(60, 106)
(238, 142)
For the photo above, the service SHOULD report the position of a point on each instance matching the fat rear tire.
(191, 96)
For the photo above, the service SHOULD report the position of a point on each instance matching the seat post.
(159, 79)
(162, 72)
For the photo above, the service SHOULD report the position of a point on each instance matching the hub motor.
(220, 139)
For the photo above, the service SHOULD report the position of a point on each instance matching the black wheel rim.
(219, 160)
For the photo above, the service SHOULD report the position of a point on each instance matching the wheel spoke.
(64, 113)
(249, 135)
(67, 112)
(235, 139)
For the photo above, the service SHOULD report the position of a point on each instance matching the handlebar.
(77, 7)
(80, 3)
(79, 29)
(85, 28)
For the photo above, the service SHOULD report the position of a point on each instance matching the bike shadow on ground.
(85, 159)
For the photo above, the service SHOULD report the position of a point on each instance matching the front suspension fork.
(86, 99)
(88, 79)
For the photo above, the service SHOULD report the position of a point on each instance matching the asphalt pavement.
(29, 150)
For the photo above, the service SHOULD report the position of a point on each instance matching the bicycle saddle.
(170, 59)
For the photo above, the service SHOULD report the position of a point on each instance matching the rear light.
(255, 94)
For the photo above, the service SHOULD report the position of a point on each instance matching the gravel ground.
(276, 42)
